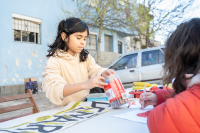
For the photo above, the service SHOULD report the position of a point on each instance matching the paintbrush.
(130, 103)
(144, 95)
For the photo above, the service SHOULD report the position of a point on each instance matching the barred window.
(26, 31)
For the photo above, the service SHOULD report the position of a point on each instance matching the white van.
(144, 65)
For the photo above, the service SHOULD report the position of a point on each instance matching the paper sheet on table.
(133, 115)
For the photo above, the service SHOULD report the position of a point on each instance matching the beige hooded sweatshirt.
(65, 70)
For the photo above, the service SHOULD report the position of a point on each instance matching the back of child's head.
(182, 54)
(68, 26)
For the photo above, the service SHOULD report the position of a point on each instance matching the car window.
(129, 61)
(161, 57)
(150, 57)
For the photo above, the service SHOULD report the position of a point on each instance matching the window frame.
(137, 55)
(161, 51)
(111, 43)
(28, 20)
(158, 61)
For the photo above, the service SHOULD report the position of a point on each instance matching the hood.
(194, 81)
(66, 56)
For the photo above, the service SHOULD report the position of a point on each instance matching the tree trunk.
(147, 38)
(99, 43)
(146, 42)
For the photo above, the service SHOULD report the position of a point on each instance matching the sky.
(191, 14)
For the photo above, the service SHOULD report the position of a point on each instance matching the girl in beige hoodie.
(70, 70)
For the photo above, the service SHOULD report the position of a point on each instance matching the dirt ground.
(40, 98)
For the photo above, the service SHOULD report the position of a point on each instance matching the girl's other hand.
(96, 81)
(107, 73)
(149, 99)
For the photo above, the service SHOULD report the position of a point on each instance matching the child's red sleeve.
(163, 95)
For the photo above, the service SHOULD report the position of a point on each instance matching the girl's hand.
(149, 99)
(107, 73)
(96, 81)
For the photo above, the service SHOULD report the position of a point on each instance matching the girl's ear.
(63, 36)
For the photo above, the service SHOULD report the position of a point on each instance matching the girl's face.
(76, 43)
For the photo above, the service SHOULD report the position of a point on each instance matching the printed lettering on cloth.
(55, 120)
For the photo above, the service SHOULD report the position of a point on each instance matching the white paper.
(133, 114)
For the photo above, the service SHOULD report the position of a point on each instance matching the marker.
(144, 95)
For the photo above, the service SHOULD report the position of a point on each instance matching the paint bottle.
(115, 91)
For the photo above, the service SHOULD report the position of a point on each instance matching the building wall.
(110, 33)
(133, 45)
(107, 57)
(20, 59)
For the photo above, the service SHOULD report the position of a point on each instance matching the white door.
(126, 68)
(151, 66)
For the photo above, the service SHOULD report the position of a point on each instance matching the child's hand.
(149, 99)
(96, 81)
(107, 73)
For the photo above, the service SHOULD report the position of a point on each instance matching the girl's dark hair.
(182, 54)
(68, 26)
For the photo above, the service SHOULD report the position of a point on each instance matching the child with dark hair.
(71, 71)
(177, 111)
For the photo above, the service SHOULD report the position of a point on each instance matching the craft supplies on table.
(115, 91)
(140, 85)
(97, 97)
(136, 93)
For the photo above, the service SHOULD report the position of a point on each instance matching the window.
(107, 43)
(126, 62)
(119, 47)
(152, 57)
(26, 30)
(161, 57)
(17, 35)
(91, 42)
